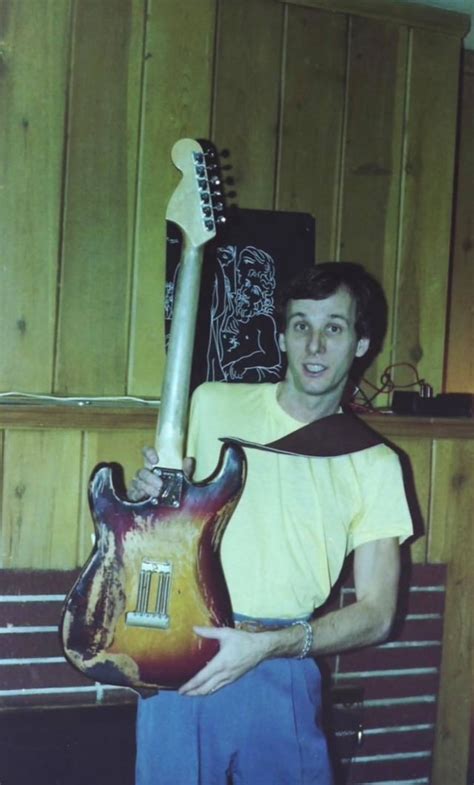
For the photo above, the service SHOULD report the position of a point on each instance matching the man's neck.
(307, 408)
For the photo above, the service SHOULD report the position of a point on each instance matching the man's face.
(321, 343)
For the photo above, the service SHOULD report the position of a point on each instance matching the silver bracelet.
(308, 639)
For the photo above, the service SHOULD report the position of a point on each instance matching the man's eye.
(300, 326)
(334, 329)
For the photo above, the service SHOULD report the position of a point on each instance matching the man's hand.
(239, 652)
(148, 482)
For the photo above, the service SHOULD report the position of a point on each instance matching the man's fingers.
(189, 464)
(148, 482)
(151, 457)
(145, 483)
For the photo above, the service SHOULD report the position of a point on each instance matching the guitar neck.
(172, 421)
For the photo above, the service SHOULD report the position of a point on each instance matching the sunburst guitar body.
(154, 573)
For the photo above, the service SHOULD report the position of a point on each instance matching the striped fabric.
(33, 671)
(398, 682)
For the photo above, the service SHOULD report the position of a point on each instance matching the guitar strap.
(337, 434)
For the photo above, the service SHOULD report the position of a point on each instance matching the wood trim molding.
(428, 18)
(136, 417)
(90, 418)
(393, 425)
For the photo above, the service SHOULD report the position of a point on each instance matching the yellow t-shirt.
(298, 517)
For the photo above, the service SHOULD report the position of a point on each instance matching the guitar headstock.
(196, 205)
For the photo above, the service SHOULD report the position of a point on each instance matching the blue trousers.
(262, 729)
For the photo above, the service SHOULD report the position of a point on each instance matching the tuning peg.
(221, 219)
(219, 206)
(215, 180)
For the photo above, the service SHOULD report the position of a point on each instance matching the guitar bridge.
(154, 577)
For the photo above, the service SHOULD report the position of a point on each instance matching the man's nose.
(316, 342)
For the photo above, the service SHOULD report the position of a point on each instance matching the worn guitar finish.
(155, 570)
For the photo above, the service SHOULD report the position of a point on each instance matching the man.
(251, 716)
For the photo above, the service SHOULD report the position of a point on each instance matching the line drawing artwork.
(243, 336)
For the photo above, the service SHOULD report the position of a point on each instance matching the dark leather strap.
(337, 434)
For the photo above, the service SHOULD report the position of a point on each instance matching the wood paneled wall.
(459, 355)
(324, 110)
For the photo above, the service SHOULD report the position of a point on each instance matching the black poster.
(256, 252)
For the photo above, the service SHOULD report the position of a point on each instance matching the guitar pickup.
(154, 578)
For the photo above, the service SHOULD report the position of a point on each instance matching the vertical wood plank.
(426, 208)
(40, 499)
(34, 47)
(372, 158)
(100, 197)
(418, 491)
(247, 92)
(452, 541)
(460, 357)
(312, 120)
(123, 447)
(179, 62)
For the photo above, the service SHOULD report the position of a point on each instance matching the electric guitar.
(155, 569)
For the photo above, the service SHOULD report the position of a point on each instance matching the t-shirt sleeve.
(384, 508)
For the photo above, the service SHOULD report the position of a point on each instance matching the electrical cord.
(388, 385)
(89, 400)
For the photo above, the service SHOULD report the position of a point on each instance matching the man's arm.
(370, 618)
(367, 621)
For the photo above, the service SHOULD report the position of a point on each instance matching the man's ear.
(282, 342)
(362, 347)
